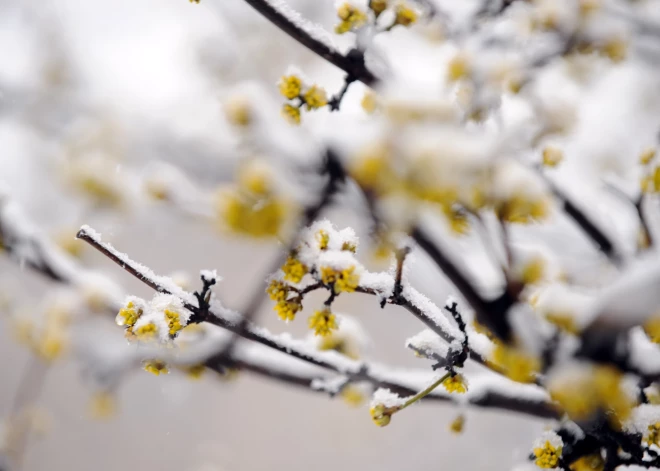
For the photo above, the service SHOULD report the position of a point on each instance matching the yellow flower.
(382, 415)
(323, 239)
(547, 456)
(146, 331)
(373, 171)
(458, 221)
(102, 405)
(194, 1)
(615, 49)
(352, 395)
(128, 315)
(339, 344)
(345, 280)
(378, 6)
(156, 367)
(52, 343)
(262, 218)
(173, 321)
(255, 179)
(593, 462)
(563, 320)
(656, 179)
(456, 425)
(195, 371)
(315, 97)
(351, 18)
(533, 271)
(516, 364)
(238, 111)
(599, 389)
(519, 209)
(552, 156)
(652, 328)
(652, 436)
(286, 310)
(291, 113)
(455, 384)
(349, 247)
(277, 290)
(290, 86)
(323, 322)
(294, 270)
(458, 68)
(369, 102)
(405, 16)
(647, 156)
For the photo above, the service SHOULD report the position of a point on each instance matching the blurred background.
(119, 88)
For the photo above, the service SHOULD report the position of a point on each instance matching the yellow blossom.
(519, 209)
(290, 86)
(382, 415)
(156, 367)
(599, 389)
(378, 6)
(593, 462)
(238, 111)
(277, 290)
(615, 49)
(52, 343)
(552, 156)
(291, 113)
(294, 270)
(345, 280)
(352, 395)
(102, 405)
(286, 310)
(647, 156)
(263, 218)
(458, 68)
(255, 179)
(349, 247)
(338, 344)
(458, 221)
(652, 436)
(656, 179)
(323, 238)
(351, 18)
(652, 328)
(315, 97)
(373, 171)
(456, 425)
(533, 271)
(588, 7)
(405, 16)
(195, 371)
(455, 384)
(369, 102)
(173, 321)
(128, 315)
(547, 456)
(323, 322)
(516, 364)
(147, 331)
(564, 320)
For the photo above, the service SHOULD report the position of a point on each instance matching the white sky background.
(150, 76)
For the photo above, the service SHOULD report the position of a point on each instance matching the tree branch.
(351, 63)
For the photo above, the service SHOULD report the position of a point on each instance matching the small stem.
(425, 392)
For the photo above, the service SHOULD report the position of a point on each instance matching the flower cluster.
(583, 391)
(355, 15)
(48, 340)
(548, 450)
(160, 320)
(253, 206)
(324, 259)
(292, 88)
(651, 172)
